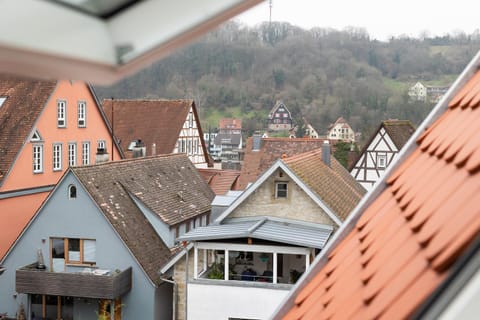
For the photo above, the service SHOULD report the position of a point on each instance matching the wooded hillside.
(320, 74)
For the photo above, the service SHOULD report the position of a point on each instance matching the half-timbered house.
(380, 151)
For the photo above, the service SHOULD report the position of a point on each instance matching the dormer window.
(72, 192)
(82, 114)
(61, 113)
(281, 190)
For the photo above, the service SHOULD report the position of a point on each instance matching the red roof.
(220, 181)
(405, 243)
(271, 149)
(230, 123)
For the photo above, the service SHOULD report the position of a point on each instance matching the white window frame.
(381, 160)
(82, 114)
(72, 154)
(61, 113)
(102, 144)
(57, 157)
(85, 153)
(37, 157)
(277, 190)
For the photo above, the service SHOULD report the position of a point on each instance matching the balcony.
(31, 280)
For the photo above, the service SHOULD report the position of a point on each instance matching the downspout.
(174, 303)
(186, 283)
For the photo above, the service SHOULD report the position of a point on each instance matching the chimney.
(101, 156)
(257, 142)
(326, 150)
(154, 149)
(139, 150)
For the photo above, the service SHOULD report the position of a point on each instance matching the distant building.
(380, 151)
(230, 125)
(417, 92)
(432, 94)
(341, 130)
(279, 118)
(151, 127)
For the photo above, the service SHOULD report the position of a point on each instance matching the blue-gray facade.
(64, 217)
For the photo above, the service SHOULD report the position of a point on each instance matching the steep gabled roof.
(399, 131)
(152, 121)
(331, 187)
(334, 185)
(230, 123)
(403, 241)
(25, 100)
(220, 181)
(277, 105)
(168, 185)
(271, 149)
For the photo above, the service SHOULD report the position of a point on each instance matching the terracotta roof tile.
(152, 121)
(26, 98)
(257, 161)
(333, 184)
(404, 244)
(220, 181)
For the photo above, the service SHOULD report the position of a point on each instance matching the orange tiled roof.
(272, 149)
(220, 181)
(404, 244)
(230, 123)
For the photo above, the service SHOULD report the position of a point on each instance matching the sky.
(381, 19)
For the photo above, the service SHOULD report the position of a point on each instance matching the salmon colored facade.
(35, 107)
(21, 174)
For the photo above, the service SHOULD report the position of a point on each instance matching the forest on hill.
(320, 74)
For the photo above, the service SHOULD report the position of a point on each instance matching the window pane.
(89, 251)
(74, 250)
(58, 249)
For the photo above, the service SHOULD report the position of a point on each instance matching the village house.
(380, 151)
(45, 128)
(261, 152)
(411, 250)
(341, 130)
(95, 246)
(279, 118)
(151, 127)
(255, 251)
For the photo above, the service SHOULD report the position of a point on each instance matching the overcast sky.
(382, 19)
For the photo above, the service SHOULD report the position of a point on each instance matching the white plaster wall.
(206, 301)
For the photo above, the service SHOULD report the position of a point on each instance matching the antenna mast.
(270, 4)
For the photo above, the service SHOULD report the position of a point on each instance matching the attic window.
(72, 192)
(281, 190)
(381, 161)
(36, 137)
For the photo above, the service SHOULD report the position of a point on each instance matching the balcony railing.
(31, 280)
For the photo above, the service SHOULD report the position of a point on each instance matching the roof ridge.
(122, 161)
